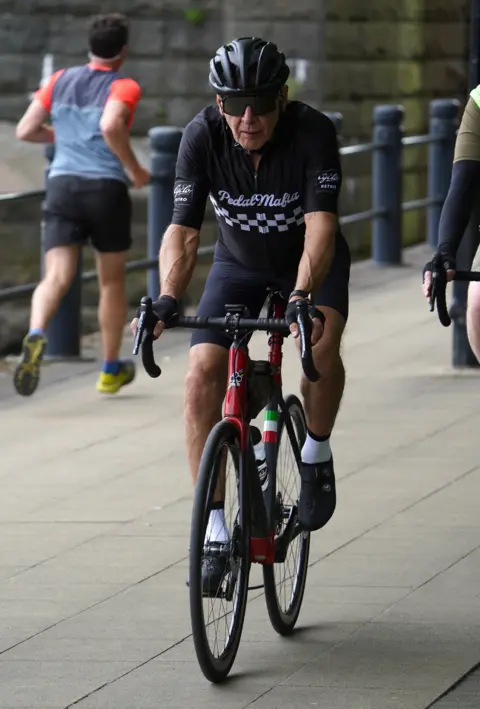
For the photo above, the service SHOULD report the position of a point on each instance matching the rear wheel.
(217, 618)
(285, 582)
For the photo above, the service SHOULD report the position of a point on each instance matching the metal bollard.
(164, 142)
(442, 127)
(64, 330)
(387, 185)
(337, 119)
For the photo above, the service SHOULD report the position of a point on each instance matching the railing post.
(337, 119)
(387, 185)
(64, 331)
(442, 128)
(164, 143)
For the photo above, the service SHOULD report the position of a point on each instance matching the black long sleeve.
(464, 186)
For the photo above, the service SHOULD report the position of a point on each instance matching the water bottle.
(261, 461)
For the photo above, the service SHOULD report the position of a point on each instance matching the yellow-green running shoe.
(27, 372)
(111, 383)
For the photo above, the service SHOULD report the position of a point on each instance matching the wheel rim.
(289, 576)
(221, 612)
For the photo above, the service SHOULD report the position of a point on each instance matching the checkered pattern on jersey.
(263, 222)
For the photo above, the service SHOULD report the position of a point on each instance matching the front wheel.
(217, 614)
(285, 582)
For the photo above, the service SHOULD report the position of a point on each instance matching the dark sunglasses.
(260, 105)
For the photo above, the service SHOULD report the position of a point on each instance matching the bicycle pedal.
(254, 588)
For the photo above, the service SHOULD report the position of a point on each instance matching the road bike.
(263, 524)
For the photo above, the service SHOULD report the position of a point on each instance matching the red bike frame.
(262, 549)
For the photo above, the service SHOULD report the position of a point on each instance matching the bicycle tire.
(284, 620)
(216, 669)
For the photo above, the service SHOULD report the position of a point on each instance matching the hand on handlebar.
(316, 318)
(439, 262)
(162, 311)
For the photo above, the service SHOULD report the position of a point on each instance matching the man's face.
(257, 120)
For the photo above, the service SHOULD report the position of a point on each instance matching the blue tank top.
(78, 99)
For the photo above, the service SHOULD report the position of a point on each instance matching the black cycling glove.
(164, 308)
(291, 311)
(440, 260)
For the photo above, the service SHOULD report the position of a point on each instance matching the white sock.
(314, 451)
(216, 528)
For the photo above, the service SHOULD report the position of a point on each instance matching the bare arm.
(177, 259)
(318, 250)
(116, 133)
(32, 126)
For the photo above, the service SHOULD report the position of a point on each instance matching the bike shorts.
(231, 283)
(79, 210)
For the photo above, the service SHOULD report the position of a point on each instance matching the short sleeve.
(128, 92)
(192, 182)
(323, 174)
(44, 93)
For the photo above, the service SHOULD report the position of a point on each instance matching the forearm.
(458, 205)
(118, 140)
(316, 260)
(177, 259)
(42, 134)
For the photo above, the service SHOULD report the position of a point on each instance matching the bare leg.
(204, 394)
(473, 318)
(112, 308)
(322, 399)
(60, 268)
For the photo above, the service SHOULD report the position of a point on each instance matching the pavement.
(95, 514)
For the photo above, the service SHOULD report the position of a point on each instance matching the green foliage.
(194, 15)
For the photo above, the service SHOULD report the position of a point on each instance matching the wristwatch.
(299, 294)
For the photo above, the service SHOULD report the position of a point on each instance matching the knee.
(473, 305)
(59, 279)
(327, 359)
(205, 380)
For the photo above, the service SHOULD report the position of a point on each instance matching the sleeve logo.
(183, 192)
(327, 181)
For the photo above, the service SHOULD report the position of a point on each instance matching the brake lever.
(144, 337)
(439, 297)
(305, 326)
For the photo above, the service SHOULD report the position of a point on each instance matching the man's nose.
(248, 115)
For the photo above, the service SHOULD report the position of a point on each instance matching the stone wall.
(345, 56)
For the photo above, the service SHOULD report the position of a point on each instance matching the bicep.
(115, 114)
(320, 226)
(122, 100)
(34, 117)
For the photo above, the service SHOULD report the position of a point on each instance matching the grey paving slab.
(95, 514)
(463, 696)
(53, 684)
(282, 697)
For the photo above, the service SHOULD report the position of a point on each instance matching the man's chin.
(251, 143)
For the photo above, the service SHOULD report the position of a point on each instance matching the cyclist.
(456, 212)
(92, 108)
(272, 170)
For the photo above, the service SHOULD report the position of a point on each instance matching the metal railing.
(385, 214)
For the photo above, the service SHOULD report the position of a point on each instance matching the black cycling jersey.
(260, 214)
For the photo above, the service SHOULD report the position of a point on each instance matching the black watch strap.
(299, 293)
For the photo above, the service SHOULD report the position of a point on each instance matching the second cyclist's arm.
(464, 184)
(177, 259)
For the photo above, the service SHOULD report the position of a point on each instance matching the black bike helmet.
(248, 65)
